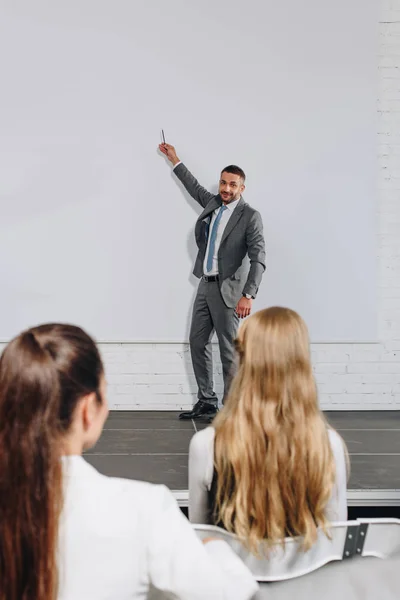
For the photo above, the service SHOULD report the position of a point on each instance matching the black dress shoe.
(200, 410)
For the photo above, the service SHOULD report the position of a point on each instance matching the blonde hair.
(274, 463)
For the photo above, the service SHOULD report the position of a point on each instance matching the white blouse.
(201, 470)
(121, 538)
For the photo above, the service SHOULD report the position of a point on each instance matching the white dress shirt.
(226, 215)
(201, 470)
(119, 538)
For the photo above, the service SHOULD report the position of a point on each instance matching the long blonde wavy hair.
(274, 463)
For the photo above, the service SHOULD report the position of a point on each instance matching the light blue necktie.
(213, 237)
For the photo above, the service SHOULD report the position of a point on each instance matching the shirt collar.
(232, 205)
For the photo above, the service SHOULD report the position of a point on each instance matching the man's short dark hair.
(234, 170)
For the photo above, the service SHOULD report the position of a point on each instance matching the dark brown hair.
(43, 374)
(234, 170)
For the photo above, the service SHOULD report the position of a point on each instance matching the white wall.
(354, 376)
(93, 228)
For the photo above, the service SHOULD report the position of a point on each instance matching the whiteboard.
(94, 228)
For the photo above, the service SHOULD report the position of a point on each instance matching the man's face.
(230, 187)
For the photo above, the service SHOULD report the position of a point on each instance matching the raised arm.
(192, 186)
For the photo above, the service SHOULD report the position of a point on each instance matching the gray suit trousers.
(210, 314)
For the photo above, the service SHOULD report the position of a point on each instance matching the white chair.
(364, 537)
(381, 537)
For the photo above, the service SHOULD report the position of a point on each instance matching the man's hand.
(170, 153)
(243, 308)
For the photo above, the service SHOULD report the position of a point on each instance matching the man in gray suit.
(230, 264)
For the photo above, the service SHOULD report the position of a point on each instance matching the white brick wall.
(350, 376)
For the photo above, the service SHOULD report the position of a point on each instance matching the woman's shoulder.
(202, 441)
(86, 482)
(145, 496)
(336, 440)
(201, 456)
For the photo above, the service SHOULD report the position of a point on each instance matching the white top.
(120, 537)
(201, 469)
(226, 215)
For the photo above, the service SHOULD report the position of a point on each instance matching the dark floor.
(153, 446)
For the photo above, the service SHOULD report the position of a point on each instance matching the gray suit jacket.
(241, 256)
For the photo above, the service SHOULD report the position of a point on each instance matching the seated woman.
(270, 466)
(66, 531)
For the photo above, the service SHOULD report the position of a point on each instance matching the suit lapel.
(209, 209)
(233, 221)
